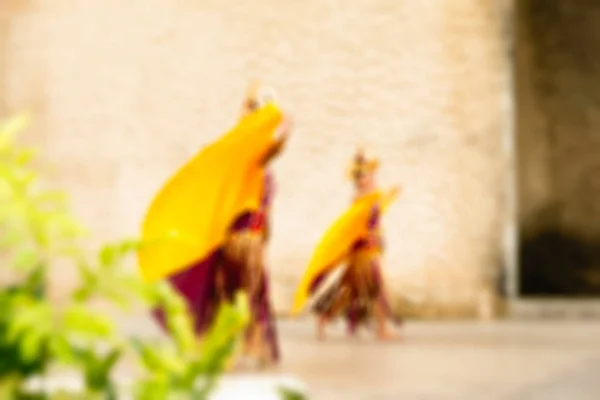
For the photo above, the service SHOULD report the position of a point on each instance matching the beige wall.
(125, 90)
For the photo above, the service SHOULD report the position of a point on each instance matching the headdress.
(361, 164)
(256, 97)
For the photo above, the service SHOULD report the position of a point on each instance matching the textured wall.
(125, 91)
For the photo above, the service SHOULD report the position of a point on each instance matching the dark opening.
(558, 139)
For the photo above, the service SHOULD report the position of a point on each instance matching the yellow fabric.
(190, 215)
(334, 245)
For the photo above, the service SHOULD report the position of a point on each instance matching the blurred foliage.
(172, 369)
(40, 238)
(291, 394)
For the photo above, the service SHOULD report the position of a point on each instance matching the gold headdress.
(361, 164)
(256, 97)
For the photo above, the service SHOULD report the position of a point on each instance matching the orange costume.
(205, 228)
(355, 241)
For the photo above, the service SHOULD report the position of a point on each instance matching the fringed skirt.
(208, 283)
(358, 291)
(243, 267)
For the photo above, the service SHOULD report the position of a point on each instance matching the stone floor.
(520, 360)
(505, 360)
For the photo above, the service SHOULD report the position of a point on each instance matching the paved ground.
(508, 360)
(449, 360)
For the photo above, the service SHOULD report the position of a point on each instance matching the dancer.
(215, 212)
(355, 241)
(243, 259)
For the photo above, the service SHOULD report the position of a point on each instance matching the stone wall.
(124, 91)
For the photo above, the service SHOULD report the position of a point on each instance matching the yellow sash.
(341, 235)
(190, 215)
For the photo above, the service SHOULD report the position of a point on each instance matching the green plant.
(173, 368)
(38, 237)
(290, 394)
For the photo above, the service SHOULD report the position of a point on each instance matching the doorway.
(558, 147)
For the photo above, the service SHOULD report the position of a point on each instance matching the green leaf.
(10, 128)
(147, 292)
(220, 342)
(155, 388)
(115, 253)
(97, 373)
(85, 356)
(290, 394)
(69, 250)
(170, 300)
(30, 345)
(82, 294)
(24, 156)
(6, 191)
(117, 294)
(26, 259)
(12, 239)
(89, 281)
(182, 330)
(64, 395)
(110, 360)
(134, 285)
(61, 349)
(242, 308)
(29, 316)
(158, 359)
(80, 321)
(108, 254)
(65, 226)
(53, 198)
(148, 357)
(35, 282)
(23, 178)
(129, 246)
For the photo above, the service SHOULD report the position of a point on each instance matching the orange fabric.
(333, 247)
(191, 214)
